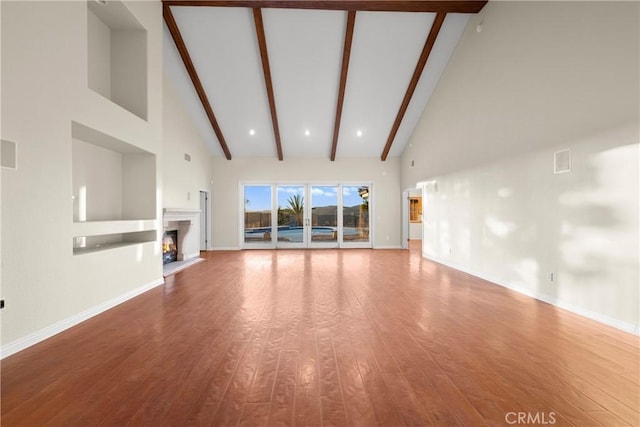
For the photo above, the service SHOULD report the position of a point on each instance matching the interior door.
(291, 217)
(322, 229)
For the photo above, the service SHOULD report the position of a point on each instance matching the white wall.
(128, 71)
(99, 39)
(99, 172)
(44, 89)
(1, 162)
(183, 180)
(539, 77)
(229, 173)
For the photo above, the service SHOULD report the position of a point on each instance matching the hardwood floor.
(326, 337)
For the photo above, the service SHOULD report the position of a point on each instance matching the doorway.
(412, 218)
(299, 215)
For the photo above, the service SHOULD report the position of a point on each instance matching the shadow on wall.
(569, 238)
(579, 243)
(597, 224)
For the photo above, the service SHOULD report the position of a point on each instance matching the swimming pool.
(295, 234)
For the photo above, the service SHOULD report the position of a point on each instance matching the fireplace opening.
(170, 246)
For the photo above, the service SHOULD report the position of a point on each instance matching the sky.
(259, 196)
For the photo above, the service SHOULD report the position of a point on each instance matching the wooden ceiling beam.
(422, 61)
(262, 43)
(439, 6)
(346, 54)
(191, 70)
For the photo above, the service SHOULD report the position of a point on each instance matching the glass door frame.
(309, 214)
(371, 206)
(307, 242)
(282, 244)
(258, 244)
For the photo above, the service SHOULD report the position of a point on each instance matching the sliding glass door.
(291, 230)
(324, 216)
(355, 215)
(306, 215)
(257, 214)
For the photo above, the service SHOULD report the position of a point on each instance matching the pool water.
(295, 234)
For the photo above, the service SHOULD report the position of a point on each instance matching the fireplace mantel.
(179, 214)
(187, 222)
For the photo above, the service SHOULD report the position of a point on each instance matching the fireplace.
(187, 224)
(170, 246)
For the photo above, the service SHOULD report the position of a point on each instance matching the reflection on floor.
(326, 337)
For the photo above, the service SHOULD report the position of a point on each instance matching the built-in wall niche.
(117, 55)
(89, 244)
(112, 180)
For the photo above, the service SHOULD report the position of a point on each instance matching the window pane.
(355, 213)
(257, 213)
(291, 213)
(324, 213)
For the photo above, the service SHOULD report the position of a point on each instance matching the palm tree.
(363, 192)
(296, 207)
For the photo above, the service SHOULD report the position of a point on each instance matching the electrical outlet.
(551, 276)
(188, 195)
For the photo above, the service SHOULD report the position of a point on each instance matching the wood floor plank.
(231, 407)
(262, 386)
(283, 400)
(360, 411)
(326, 337)
(205, 408)
(254, 415)
(308, 408)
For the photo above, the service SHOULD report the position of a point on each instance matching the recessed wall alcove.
(117, 55)
(113, 191)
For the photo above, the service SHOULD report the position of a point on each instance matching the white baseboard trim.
(41, 335)
(225, 248)
(388, 247)
(581, 311)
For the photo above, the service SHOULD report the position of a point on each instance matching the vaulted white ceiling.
(304, 49)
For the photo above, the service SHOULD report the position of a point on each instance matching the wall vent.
(562, 161)
(9, 154)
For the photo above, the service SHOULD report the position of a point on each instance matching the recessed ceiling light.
(252, 132)
(359, 132)
(306, 132)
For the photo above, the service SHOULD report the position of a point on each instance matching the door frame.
(405, 219)
(207, 220)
